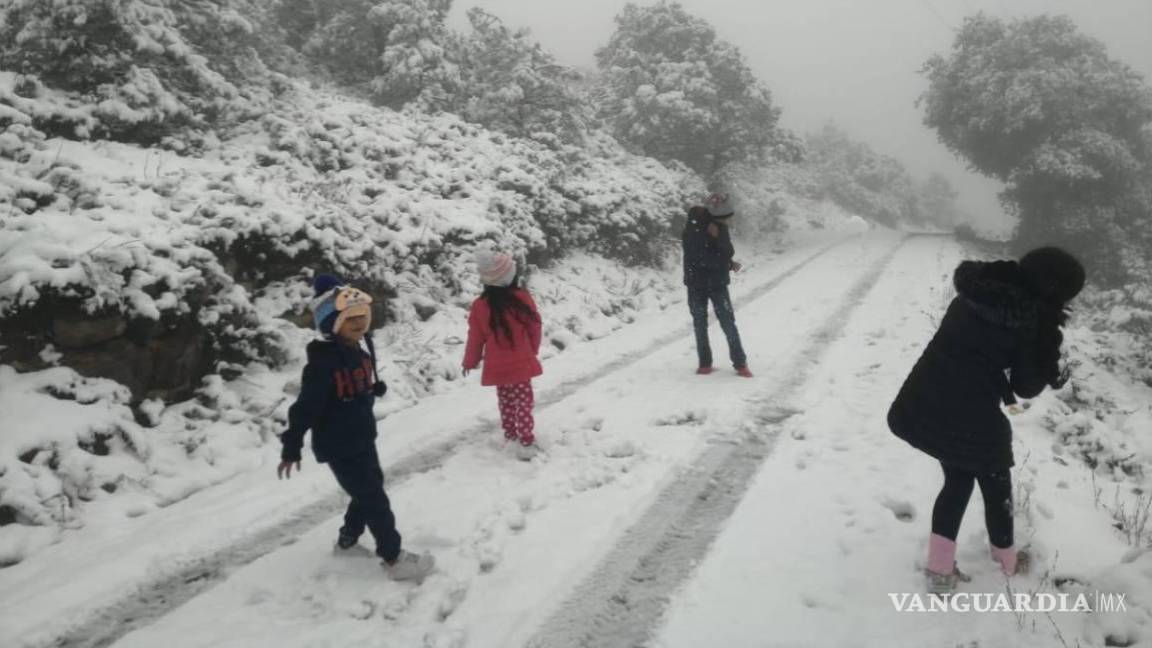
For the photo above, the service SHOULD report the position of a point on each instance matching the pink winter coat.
(504, 363)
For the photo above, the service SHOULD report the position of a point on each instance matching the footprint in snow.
(689, 417)
(450, 600)
(621, 450)
(486, 547)
(902, 509)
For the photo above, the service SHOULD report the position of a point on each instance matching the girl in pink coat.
(504, 331)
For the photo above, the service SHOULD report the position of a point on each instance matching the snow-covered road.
(670, 509)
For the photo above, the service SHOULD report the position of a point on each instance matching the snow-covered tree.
(147, 67)
(675, 90)
(938, 199)
(861, 180)
(1043, 108)
(416, 63)
(510, 83)
(398, 49)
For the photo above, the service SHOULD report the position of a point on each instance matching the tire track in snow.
(621, 601)
(187, 579)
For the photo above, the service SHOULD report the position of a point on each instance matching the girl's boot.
(941, 572)
(1012, 562)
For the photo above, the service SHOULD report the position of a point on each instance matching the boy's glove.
(380, 388)
(290, 455)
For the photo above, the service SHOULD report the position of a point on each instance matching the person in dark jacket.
(708, 260)
(1000, 339)
(337, 391)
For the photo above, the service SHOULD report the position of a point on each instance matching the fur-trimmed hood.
(998, 292)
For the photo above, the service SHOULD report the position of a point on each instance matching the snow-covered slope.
(176, 285)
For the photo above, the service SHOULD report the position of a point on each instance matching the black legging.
(953, 499)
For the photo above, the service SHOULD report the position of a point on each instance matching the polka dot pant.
(516, 403)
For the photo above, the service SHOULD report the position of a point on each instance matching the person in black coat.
(1000, 339)
(708, 260)
(337, 391)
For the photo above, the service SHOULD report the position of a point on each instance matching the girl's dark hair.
(1053, 274)
(503, 303)
(1055, 277)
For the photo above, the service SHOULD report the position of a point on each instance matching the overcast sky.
(854, 62)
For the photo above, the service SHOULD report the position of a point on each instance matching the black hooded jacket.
(336, 397)
(997, 341)
(707, 259)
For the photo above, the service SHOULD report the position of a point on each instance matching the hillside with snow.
(145, 270)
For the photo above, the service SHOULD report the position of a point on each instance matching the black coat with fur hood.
(997, 341)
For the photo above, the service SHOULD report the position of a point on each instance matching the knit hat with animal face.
(334, 303)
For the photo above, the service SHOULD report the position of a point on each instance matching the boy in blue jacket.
(337, 392)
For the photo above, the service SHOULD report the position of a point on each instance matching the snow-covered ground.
(819, 573)
(98, 549)
(669, 509)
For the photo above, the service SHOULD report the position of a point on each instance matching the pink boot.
(941, 554)
(941, 571)
(1011, 561)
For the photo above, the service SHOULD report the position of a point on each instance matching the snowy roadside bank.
(154, 547)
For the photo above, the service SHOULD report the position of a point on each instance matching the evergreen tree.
(1043, 108)
(510, 83)
(397, 49)
(676, 91)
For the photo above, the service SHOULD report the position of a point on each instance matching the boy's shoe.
(344, 541)
(944, 584)
(409, 566)
(743, 372)
(703, 371)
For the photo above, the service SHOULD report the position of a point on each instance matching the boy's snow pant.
(996, 488)
(362, 478)
(698, 298)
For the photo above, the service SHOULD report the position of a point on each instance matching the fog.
(855, 63)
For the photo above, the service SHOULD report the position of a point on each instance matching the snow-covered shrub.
(1103, 416)
(71, 447)
(139, 70)
(100, 266)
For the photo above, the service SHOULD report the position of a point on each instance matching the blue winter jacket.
(335, 402)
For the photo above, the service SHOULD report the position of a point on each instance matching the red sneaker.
(703, 371)
(743, 372)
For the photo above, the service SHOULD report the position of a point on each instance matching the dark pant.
(698, 297)
(953, 499)
(361, 477)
